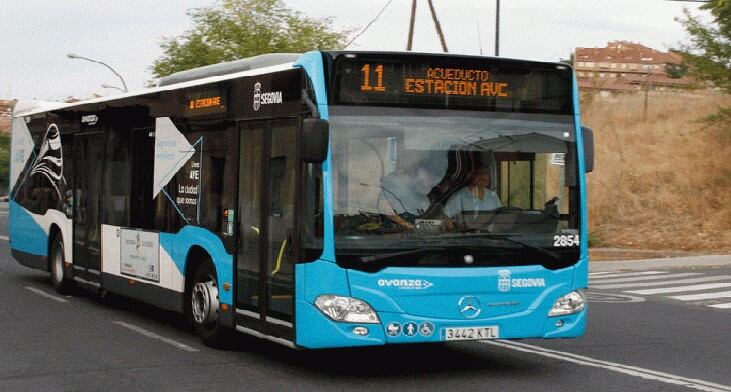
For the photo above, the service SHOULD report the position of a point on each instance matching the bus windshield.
(416, 187)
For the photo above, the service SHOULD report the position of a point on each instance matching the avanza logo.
(405, 284)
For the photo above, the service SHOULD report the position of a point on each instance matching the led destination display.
(434, 82)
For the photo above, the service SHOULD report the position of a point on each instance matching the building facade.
(629, 66)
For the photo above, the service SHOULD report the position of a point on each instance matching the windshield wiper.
(505, 237)
(382, 256)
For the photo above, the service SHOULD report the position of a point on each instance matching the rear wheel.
(203, 308)
(56, 264)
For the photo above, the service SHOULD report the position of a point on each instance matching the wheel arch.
(197, 255)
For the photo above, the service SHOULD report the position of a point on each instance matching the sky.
(126, 34)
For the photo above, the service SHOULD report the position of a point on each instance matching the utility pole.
(438, 26)
(497, 28)
(410, 43)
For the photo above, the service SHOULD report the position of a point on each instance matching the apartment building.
(629, 66)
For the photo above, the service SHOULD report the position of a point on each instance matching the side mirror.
(587, 136)
(315, 140)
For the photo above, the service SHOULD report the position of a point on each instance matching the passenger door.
(267, 250)
(88, 164)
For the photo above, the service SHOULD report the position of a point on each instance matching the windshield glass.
(437, 187)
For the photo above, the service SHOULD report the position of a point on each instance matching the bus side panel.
(26, 234)
(174, 249)
(178, 246)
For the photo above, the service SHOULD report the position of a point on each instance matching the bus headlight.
(570, 303)
(346, 309)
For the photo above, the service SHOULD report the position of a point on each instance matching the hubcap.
(205, 302)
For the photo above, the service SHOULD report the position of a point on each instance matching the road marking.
(45, 294)
(641, 278)
(593, 297)
(629, 370)
(153, 335)
(663, 283)
(698, 297)
(721, 306)
(680, 289)
(4, 238)
(627, 274)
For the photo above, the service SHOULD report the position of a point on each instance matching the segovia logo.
(268, 98)
(257, 96)
(503, 281)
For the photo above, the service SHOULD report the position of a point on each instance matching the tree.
(709, 53)
(235, 29)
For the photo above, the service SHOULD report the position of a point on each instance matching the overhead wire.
(369, 23)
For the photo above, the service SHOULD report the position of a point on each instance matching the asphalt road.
(633, 343)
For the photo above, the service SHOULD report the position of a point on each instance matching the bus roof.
(50, 106)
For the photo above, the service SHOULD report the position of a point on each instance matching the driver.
(476, 196)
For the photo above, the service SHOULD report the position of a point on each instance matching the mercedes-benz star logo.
(469, 306)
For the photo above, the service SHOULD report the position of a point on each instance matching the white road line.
(4, 238)
(641, 278)
(663, 283)
(704, 296)
(601, 273)
(680, 289)
(629, 370)
(628, 274)
(45, 294)
(153, 335)
(722, 306)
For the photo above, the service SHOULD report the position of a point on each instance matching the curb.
(671, 262)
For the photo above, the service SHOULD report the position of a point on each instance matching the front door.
(88, 164)
(268, 180)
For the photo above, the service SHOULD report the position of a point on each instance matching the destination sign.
(453, 83)
(206, 102)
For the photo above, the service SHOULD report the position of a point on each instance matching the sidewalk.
(669, 262)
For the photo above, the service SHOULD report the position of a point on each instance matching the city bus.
(320, 200)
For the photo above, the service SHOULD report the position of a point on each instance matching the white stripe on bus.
(727, 305)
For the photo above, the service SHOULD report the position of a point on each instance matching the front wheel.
(203, 308)
(56, 264)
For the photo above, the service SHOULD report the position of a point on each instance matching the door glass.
(89, 152)
(94, 192)
(249, 207)
(282, 175)
(80, 200)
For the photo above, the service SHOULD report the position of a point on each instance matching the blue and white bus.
(328, 199)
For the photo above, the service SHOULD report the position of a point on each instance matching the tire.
(59, 280)
(203, 308)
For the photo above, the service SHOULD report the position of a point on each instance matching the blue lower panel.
(25, 234)
(315, 330)
(178, 245)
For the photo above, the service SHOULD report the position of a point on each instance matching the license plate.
(471, 333)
